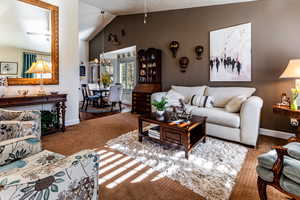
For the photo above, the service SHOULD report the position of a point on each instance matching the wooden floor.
(135, 181)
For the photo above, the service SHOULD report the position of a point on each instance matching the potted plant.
(160, 105)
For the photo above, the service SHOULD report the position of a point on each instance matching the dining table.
(102, 92)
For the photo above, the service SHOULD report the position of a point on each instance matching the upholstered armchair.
(20, 133)
(27, 172)
(280, 168)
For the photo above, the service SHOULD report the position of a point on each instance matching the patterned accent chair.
(280, 168)
(27, 172)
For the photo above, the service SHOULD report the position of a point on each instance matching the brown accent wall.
(275, 40)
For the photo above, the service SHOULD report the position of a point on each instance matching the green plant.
(49, 120)
(160, 105)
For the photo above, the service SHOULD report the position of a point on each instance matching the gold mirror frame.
(54, 48)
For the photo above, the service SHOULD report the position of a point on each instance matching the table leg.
(57, 105)
(63, 116)
(140, 130)
(186, 154)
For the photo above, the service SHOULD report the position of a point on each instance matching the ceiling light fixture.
(103, 61)
(145, 11)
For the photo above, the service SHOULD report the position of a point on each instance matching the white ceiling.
(17, 19)
(91, 23)
(124, 7)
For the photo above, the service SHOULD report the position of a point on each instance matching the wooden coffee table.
(185, 137)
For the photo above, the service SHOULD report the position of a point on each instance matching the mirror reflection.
(25, 40)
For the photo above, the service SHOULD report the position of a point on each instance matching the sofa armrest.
(18, 148)
(157, 96)
(250, 120)
(69, 178)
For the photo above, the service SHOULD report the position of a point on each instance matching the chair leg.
(83, 104)
(87, 103)
(112, 106)
(120, 106)
(262, 189)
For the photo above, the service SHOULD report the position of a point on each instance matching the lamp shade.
(39, 67)
(292, 70)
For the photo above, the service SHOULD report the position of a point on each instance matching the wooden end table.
(186, 137)
(286, 111)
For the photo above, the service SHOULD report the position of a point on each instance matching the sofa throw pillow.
(235, 104)
(223, 95)
(173, 98)
(188, 92)
(202, 101)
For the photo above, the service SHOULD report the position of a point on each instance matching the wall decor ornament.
(113, 38)
(174, 46)
(230, 54)
(8, 68)
(199, 51)
(183, 63)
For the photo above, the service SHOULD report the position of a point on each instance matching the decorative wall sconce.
(199, 51)
(113, 39)
(183, 63)
(174, 46)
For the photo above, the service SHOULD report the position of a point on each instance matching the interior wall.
(68, 60)
(275, 40)
(12, 54)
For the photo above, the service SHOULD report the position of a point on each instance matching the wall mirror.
(29, 34)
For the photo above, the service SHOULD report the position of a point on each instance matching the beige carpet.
(95, 133)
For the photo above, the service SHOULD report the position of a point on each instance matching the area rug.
(210, 171)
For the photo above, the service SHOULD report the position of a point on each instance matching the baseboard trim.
(72, 122)
(275, 134)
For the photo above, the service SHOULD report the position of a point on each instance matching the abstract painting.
(230, 54)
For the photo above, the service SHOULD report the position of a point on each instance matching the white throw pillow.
(202, 101)
(223, 95)
(173, 98)
(188, 92)
(235, 104)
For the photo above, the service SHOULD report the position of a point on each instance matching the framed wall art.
(8, 68)
(230, 54)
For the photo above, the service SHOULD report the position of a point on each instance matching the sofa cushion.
(188, 92)
(202, 101)
(235, 104)
(223, 95)
(216, 116)
(173, 98)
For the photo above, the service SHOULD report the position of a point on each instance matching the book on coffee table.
(154, 132)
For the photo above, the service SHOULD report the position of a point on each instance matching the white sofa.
(242, 127)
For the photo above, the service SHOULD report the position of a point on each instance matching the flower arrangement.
(295, 94)
(106, 79)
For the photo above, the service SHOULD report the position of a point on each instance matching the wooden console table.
(58, 99)
(286, 111)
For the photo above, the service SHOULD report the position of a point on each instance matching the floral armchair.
(27, 172)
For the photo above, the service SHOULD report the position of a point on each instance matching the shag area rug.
(210, 171)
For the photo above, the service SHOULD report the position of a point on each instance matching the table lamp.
(40, 67)
(293, 71)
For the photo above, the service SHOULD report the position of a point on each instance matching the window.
(127, 74)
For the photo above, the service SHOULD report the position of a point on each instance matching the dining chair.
(115, 96)
(88, 97)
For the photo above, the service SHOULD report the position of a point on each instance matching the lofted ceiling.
(91, 22)
(125, 7)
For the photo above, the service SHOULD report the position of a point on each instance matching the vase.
(294, 105)
(2, 91)
(160, 112)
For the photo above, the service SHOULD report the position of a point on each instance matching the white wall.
(84, 57)
(68, 59)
